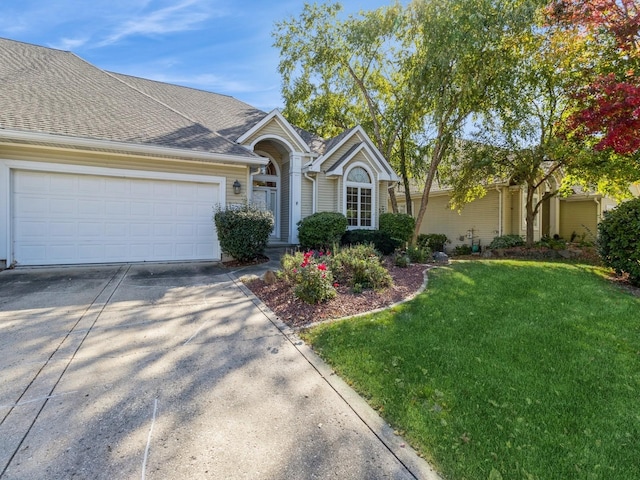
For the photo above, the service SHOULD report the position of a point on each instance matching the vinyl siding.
(580, 217)
(307, 197)
(275, 129)
(480, 215)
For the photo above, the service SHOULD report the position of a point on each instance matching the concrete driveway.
(172, 371)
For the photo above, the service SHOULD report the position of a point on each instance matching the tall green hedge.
(619, 240)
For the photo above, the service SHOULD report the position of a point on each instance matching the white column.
(295, 195)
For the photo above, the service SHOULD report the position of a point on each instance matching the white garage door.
(61, 218)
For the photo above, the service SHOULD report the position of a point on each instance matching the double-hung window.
(359, 198)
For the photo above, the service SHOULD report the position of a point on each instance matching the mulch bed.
(280, 299)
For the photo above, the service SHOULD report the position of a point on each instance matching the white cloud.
(69, 43)
(184, 16)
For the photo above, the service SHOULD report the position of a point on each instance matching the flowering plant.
(312, 279)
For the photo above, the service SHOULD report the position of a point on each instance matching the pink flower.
(336, 285)
(322, 267)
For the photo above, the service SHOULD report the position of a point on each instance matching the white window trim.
(374, 193)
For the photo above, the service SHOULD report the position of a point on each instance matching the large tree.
(412, 76)
(339, 72)
(519, 141)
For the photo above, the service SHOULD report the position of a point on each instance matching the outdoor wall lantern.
(236, 187)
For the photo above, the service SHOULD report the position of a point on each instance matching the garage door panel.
(67, 218)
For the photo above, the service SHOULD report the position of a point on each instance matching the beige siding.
(307, 197)
(580, 217)
(338, 154)
(481, 215)
(104, 160)
(275, 129)
(327, 194)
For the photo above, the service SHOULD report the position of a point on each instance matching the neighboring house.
(101, 167)
(502, 212)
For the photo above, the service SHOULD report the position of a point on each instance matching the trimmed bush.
(321, 230)
(359, 267)
(382, 241)
(506, 241)
(619, 240)
(243, 231)
(397, 225)
(433, 241)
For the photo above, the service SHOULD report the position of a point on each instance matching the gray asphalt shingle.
(51, 91)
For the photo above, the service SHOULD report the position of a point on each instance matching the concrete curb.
(398, 447)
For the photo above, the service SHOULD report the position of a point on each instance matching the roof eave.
(133, 148)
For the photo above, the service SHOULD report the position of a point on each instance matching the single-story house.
(99, 167)
(502, 212)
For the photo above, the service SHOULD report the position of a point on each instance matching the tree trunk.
(424, 201)
(530, 215)
(393, 199)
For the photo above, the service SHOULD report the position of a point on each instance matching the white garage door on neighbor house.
(69, 218)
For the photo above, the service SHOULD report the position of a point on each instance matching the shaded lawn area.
(504, 369)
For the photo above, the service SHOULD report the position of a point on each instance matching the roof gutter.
(134, 148)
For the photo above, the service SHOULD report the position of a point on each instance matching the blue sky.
(224, 46)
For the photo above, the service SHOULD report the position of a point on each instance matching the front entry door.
(267, 199)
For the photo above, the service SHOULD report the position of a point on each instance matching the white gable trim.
(382, 172)
(286, 125)
(374, 154)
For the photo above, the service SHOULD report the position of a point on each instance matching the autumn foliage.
(609, 108)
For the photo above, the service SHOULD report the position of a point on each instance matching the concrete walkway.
(172, 371)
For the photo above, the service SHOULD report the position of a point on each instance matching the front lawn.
(504, 369)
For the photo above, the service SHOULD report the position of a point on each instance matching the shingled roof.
(51, 91)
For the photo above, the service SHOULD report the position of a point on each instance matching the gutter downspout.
(314, 202)
(500, 199)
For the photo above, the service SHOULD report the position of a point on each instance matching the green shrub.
(433, 241)
(243, 231)
(321, 230)
(619, 240)
(418, 254)
(401, 259)
(555, 242)
(310, 275)
(462, 250)
(397, 225)
(382, 241)
(507, 241)
(359, 265)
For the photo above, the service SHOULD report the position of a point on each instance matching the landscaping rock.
(441, 257)
(269, 277)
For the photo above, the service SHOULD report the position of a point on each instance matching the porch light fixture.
(236, 187)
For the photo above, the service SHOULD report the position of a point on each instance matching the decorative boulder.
(441, 257)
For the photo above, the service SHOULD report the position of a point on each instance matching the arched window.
(359, 198)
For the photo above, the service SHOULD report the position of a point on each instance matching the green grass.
(522, 369)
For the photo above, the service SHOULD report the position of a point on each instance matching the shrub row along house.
(101, 167)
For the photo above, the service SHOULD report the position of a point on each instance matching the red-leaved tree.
(610, 104)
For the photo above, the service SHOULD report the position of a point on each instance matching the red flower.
(322, 267)
(336, 285)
